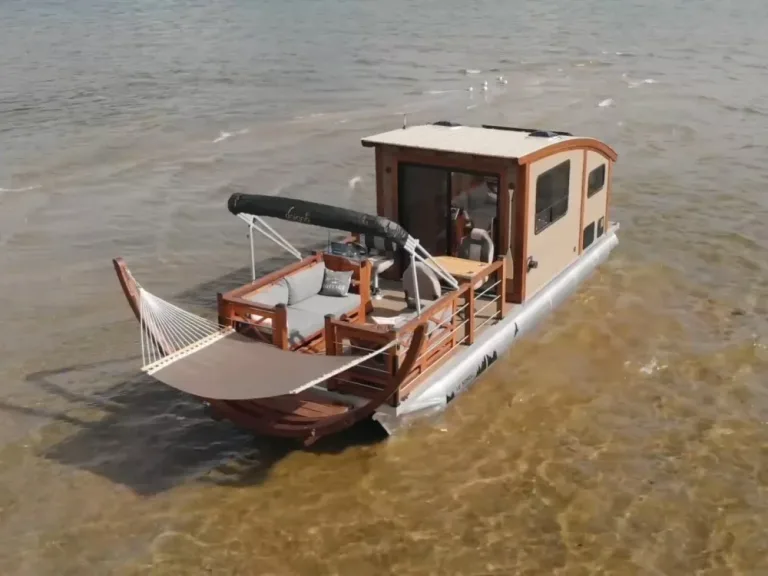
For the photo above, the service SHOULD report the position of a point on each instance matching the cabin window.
(596, 181)
(600, 226)
(552, 190)
(588, 236)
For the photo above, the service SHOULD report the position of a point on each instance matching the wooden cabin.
(542, 197)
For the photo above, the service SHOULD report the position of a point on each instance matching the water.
(627, 436)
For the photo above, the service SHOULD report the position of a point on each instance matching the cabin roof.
(496, 142)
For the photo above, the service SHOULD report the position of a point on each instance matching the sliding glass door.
(424, 201)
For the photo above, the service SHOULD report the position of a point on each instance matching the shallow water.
(627, 436)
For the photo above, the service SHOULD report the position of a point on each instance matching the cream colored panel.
(555, 247)
(594, 208)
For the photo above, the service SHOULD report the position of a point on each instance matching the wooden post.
(223, 310)
(365, 289)
(393, 366)
(280, 327)
(330, 346)
(520, 252)
(501, 289)
(583, 204)
(330, 336)
(471, 314)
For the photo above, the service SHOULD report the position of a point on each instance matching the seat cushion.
(308, 316)
(305, 283)
(272, 296)
(303, 324)
(322, 305)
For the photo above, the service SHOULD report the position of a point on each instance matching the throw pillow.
(336, 283)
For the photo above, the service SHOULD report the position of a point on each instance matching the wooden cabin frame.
(514, 156)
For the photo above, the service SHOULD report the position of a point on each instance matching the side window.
(596, 181)
(552, 189)
(600, 226)
(588, 236)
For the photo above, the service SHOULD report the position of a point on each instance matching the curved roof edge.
(518, 144)
(576, 143)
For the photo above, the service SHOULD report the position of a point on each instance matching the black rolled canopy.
(316, 214)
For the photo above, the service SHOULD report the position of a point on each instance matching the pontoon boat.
(480, 232)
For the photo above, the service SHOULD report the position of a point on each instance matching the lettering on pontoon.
(296, 218)
(487, 361)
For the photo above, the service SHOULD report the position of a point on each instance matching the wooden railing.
(467, 307)
(253, 318)
(453, 320)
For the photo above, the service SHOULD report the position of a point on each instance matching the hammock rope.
(168, 332)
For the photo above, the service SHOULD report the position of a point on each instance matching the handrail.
(467, 306)
(488, 270)
(274, 276)
(234, 308)
(438, 306)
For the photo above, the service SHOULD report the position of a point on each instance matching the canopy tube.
(316, 214)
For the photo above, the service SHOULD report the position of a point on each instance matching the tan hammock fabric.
(238, 368)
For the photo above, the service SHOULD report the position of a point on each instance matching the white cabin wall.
(557, 246)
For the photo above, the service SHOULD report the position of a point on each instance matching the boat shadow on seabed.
(151, 438)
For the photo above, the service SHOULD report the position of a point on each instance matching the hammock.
(205, 359)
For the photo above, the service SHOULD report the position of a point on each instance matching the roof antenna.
(405, 121)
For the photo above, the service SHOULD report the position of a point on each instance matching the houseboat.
(479, 233)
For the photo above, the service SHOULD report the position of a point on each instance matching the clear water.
(627, 436)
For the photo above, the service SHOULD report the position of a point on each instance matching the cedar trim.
(274, 276)
(520, 254)
(128, 284)
(583, 202)
(555, 148)
(380, 196)
(502, 214)
(569, 145)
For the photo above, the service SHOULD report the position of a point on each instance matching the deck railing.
(270, 323)
(451, 321)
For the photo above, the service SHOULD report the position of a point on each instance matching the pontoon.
(480, 232)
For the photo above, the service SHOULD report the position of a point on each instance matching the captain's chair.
(477, 246)
(429, 286)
